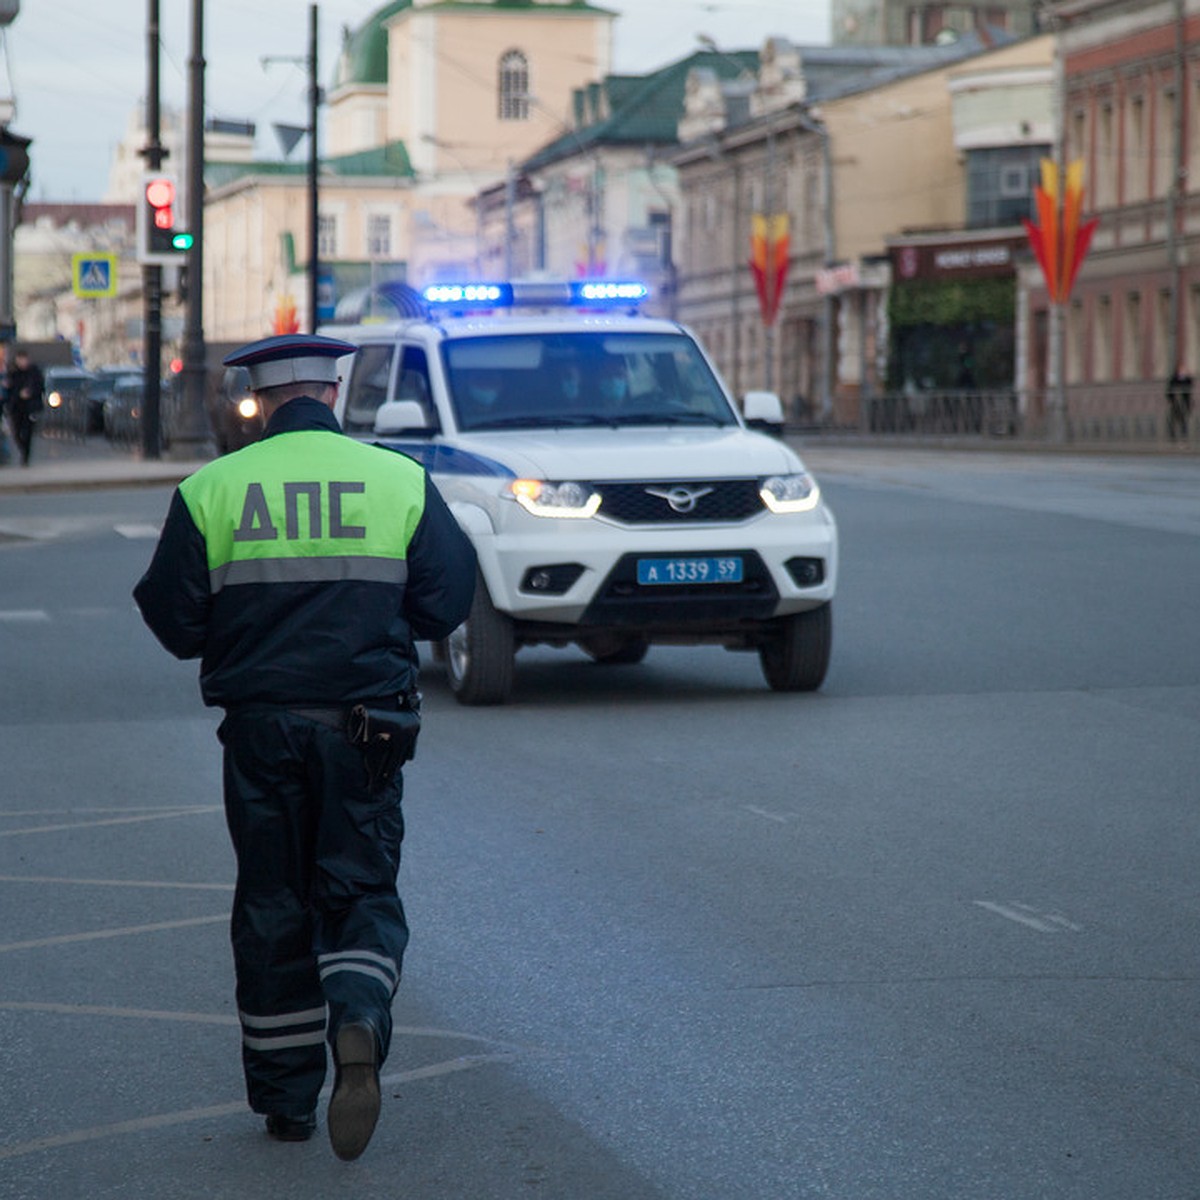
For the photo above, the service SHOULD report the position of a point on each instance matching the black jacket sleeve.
(441, 571)
(173, 594)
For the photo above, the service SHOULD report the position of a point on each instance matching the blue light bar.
(470, 295)
(543, 294)
(605, 291)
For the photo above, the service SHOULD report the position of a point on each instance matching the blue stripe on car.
(449, 460)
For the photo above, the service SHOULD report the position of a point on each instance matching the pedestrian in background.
(25, 396)
(1179, 403)
(299, 570)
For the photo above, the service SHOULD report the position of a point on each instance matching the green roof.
(638, 109)
(390, 161)
(364, 51)
(363, 58)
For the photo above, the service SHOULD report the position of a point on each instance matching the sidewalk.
(58, 464)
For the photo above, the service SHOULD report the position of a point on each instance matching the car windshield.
(565, 380)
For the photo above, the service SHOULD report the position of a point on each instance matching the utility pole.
(152, 272)
(1056, 409)
(314, 99)
(314, 158)
(1176, 352)
(192, 437)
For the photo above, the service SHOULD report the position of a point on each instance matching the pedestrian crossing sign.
(94, 274)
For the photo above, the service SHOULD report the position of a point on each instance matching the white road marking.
(781, 818)
(138, 531)
(155, 816)
(63, 939)
(120, 883)
(162, 1120)
(24, 614)
(1023, 914)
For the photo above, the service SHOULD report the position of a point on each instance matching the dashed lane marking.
(184, 1116)
(22, 615)
(154, 816)
(117, 883)
(135, 532)
(94, 935)
(1031, 918)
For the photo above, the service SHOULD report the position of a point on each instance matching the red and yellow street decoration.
(285, 320)
(769, 260)
(1058, 239)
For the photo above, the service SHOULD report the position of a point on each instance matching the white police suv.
(615, 495)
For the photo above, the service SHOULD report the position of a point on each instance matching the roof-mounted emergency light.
(590, 293)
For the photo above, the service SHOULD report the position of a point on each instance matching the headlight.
(554, 499)
(54, 400)
(247, 408)
(790, 493)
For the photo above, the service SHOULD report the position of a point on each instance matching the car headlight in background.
(554, 499)
(790, 493)
(247, 408)
(54, 400)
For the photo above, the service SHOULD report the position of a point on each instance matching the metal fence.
(1101, 414)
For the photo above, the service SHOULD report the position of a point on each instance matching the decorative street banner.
(285, 319)
(1058, 239)
(769, 244)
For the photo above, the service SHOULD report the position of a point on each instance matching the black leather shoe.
(354, 1105)
(291, 1129)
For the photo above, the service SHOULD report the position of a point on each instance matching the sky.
(76, 69)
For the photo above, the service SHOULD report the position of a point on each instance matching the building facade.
(868, 152)
(1131, 115)
(431, 104)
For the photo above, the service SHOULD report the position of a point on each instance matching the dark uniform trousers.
(318, 928)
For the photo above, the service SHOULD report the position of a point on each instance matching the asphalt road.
(929, 933)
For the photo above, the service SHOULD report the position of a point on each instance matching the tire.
(480, 653)
(796, 655)
(615, 651)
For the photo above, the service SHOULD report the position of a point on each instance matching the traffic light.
(158, 239)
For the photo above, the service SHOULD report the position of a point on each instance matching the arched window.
(514, 87)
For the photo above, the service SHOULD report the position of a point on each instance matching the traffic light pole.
(192, 437)
(152, 272)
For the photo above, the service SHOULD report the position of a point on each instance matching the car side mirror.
(763, 410)
(400, 416)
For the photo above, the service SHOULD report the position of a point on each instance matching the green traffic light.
(182, 241)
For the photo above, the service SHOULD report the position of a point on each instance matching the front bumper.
(790, 565)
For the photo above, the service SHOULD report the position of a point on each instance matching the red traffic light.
(160, 193)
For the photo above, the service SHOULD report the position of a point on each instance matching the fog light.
(806, 572)
(552, 579)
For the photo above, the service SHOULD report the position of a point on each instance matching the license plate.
(652, 571)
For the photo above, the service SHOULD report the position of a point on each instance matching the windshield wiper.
(689, 418)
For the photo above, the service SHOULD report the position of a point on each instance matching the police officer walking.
(299, 570)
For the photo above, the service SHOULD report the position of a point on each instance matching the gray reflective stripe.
(305, 1017)
(284, 1041)
(308, 570)
(388, 981)
(382, 960)
(360, 960)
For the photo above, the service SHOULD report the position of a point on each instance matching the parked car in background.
(234, 413)
(66, 405)
(123, 409)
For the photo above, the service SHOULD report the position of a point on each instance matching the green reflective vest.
(307, 506)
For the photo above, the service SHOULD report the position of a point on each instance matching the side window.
(413, 383)
(368, 387)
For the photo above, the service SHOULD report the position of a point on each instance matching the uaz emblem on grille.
(681, 499)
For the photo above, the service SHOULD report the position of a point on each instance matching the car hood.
(642, 453)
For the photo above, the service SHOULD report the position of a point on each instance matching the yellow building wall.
(894, 160)
(445, 71)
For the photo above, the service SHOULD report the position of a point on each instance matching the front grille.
(722, 500)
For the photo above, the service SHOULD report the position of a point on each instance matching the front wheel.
(796, 655)
(480, 653)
